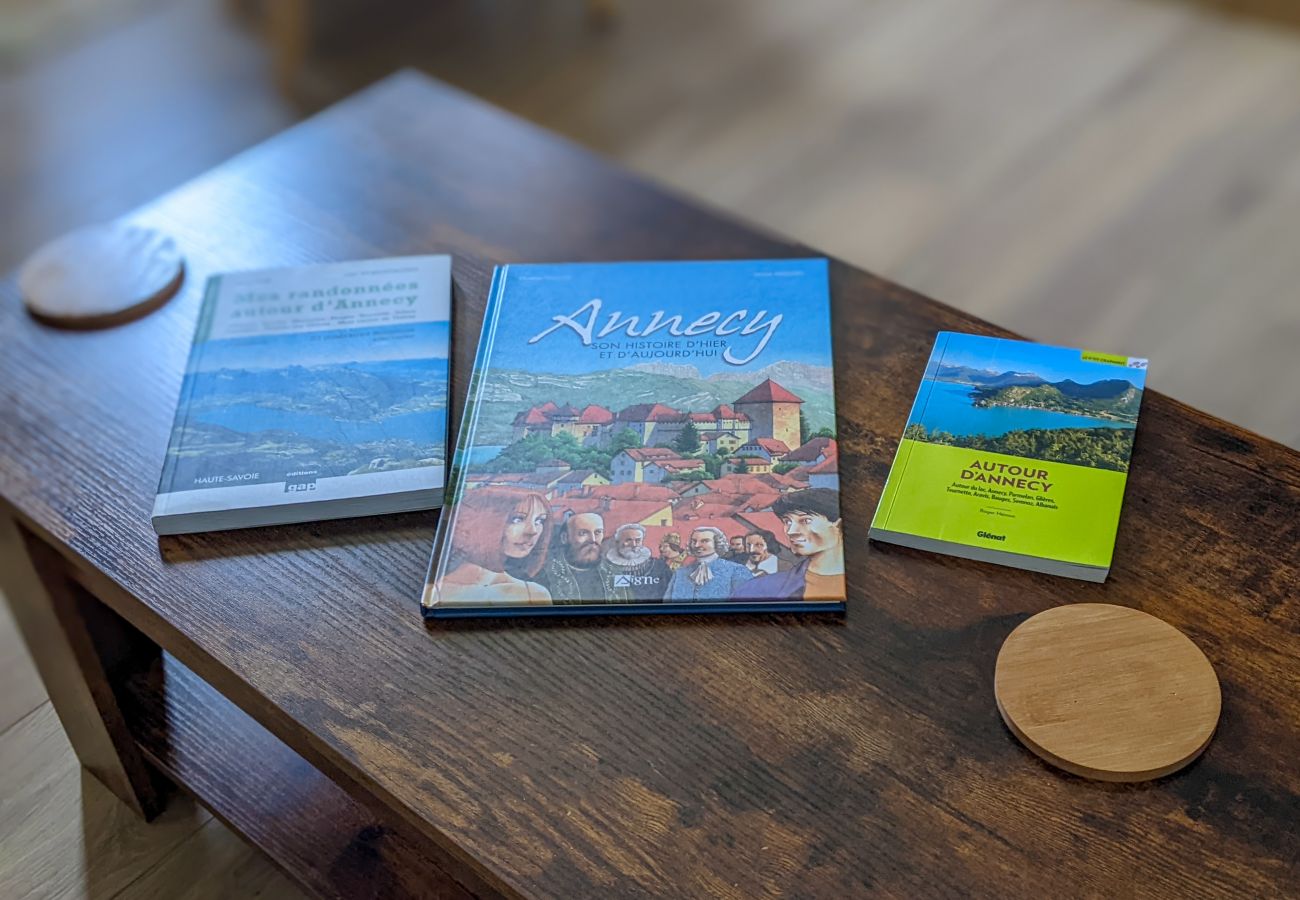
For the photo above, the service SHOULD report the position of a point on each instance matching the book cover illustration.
(310, 393)
(649, 437)
(1016, 453)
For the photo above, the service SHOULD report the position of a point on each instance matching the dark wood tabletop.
(754, 756)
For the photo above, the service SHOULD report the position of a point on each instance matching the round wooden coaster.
(101, 275)
(1107, 692)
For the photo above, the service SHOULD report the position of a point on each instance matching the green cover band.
(997, 502)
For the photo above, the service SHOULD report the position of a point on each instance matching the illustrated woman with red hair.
(497, 546)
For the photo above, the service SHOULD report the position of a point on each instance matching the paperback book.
(311, 393)
(646, 438)
(1015, 453)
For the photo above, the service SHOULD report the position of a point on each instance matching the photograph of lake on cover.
(344, 402)
(1028, 400)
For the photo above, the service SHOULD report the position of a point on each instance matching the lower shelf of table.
(320, 836)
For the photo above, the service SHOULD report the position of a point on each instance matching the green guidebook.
(1015, 453)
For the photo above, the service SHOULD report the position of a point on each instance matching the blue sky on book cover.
(985, 391)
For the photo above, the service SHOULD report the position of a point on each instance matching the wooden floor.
(62, 834)
(1119, 174)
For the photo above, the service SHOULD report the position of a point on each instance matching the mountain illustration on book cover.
(646, 437)
(1015, 453)
(311, 393)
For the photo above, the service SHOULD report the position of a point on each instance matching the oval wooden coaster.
(101, 275)
(1107, 692)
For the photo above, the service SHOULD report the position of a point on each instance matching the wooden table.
(285, 678)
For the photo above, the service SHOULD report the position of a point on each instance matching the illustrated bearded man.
(635, 567)
(710, 577)
(811, 519)
(736, 549)
(497, 546)
(761, 548)
(576, 574)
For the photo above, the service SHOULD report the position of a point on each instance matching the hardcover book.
(1015, 453)
(311, 393)
(646, 438)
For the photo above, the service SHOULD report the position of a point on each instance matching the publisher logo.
(634, 580)
(302, 480)
(991, 537)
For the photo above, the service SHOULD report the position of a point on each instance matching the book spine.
(468, 421)
(637, 609)
(898, 471)
(176, 438)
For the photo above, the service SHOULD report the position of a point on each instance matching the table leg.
(79, 646)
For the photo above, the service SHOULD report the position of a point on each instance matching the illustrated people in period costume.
(497, 547)
(575, 572)
(812, 523)
(736, 551)
(634, 567)
(762, 551)
(672, 552)
(709, 577)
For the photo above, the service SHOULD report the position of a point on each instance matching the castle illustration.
(768, 411)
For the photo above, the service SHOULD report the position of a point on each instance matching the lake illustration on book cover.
(270, 406)
(1028, 400)
(646, 437)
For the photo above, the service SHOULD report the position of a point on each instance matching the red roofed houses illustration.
(769, 412)
(770, 449)
(773, 413)
(629, 465)
(826, 474)
(653, 423)
(579, 480)
(813, 452)
(660, 470)
(615, 512)
(587, 425)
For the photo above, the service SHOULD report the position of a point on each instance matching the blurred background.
(1122, 175)
(1117, 174)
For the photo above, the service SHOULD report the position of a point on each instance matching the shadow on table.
(393, 530)
(390, 541)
